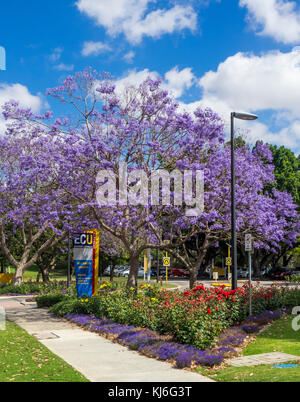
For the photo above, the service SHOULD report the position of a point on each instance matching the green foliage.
(294, 278)
(34, 287)
(50, 300)
(287, 171)
(24, 288)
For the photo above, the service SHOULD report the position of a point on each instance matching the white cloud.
(64, 67)
(250, 82)
(279, 19)
(134, 78)
(132, 18)
(21, 94)
(175, 81)
(56, 55)
(128, 57)
(179, 81)
(94, 48)
(246, 82)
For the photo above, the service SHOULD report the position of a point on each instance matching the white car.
(107, 270)
(141, 272)
(119, 269)
(245, 273)
(125, 272)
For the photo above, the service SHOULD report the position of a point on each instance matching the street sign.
(228, 261)
(166, 261)
(248, 242)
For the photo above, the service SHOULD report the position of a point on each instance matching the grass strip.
(24, 359)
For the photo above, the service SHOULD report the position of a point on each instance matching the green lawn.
(24, 359)
(165, 285)
(31, 274)
(279, 337)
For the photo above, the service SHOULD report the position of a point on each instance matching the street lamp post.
(241, 116)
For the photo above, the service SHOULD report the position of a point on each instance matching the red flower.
(209, 311)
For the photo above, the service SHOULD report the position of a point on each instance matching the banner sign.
(86, 261)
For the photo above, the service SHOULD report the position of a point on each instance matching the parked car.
(203, 273)
(243, 272)
(141, 273)
(107, 270)
(162, 272)
(119, 269)
(180, 272)
(125, 272)
(279, 273)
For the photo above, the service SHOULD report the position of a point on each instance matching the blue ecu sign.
(83, 260)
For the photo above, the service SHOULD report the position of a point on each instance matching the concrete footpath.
(98, 359)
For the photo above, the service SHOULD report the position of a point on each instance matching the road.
(183, 284)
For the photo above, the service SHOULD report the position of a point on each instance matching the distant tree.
(287, 171)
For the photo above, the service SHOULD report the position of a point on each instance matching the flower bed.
(194, 318)
(152, 344)
(155, 345)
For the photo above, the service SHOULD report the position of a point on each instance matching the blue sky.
(229, 55)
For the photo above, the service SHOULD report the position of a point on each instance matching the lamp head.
(244, 116)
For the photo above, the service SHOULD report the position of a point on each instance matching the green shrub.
(294, 278)
(50, 300)
(24, 288)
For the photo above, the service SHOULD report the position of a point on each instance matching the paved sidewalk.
(263, 358)
(98, 359)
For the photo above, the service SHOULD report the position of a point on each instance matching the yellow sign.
(228, 261)
(166, 261)
(6, 278)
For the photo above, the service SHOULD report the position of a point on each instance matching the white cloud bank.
(269, 82)
(279, 19)
(247, 82)
(134, 19)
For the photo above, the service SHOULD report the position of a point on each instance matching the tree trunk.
(18, 278)
(200, 258)
(46, 275)
(111, 277)
(193, 276)
(3, 268)
(134, 267)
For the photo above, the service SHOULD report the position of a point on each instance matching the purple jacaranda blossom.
(144, 127)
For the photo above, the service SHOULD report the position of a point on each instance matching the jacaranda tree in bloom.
(135, 128)
(105, 157)
(270, 220)
(32, 208)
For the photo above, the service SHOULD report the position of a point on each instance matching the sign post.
(147, 266)
(228, 264)
(248, 247)
(166, 263)
(69, 260)
(86, 261)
